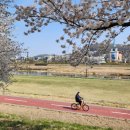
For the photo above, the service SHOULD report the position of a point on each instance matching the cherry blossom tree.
(91, 21)
(8, 48)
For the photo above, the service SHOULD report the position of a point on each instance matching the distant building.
(43, 56)
(98, 59)
(60, 1)
(115, 55)
(94, 59)
(20, 59)
(86, 1)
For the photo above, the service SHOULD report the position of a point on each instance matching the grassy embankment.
(13, 122)
(103, 92)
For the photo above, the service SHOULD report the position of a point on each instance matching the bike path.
(62, 106)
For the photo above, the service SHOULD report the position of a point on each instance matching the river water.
(32, 73)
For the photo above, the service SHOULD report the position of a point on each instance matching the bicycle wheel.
(74, 106)
(85, 107)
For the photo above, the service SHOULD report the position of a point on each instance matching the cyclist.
(78, 98)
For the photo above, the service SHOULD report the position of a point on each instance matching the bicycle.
(76, 106)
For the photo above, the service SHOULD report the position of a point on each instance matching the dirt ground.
(34, 113)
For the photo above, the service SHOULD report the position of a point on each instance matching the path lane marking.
(121, 113)
(60, 105)
(10, 99)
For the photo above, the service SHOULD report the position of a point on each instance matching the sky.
(45, 41)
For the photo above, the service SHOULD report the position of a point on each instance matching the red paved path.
(53, 105)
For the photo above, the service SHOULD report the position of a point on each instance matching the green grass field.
(105, 92)
(13, 122)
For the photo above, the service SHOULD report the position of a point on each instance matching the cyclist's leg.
(80, 102)
(77, 102)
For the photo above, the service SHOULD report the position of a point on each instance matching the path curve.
(62, 106)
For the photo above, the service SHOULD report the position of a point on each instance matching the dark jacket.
(77, 97)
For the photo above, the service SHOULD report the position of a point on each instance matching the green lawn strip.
(8, 121)
(93, 90)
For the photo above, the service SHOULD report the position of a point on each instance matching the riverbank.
(103, 71)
